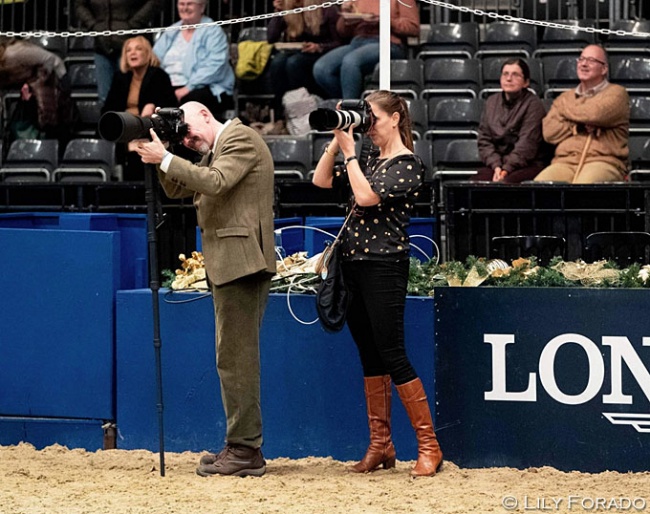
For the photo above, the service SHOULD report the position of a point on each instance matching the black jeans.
(376, 317)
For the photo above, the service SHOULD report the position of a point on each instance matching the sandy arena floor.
(62, 481)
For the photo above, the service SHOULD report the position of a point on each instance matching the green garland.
(424, 277)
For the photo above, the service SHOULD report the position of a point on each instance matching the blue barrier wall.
(132, 230)
(526, 377)
(57, 358)
(56, 342)
(312, 386)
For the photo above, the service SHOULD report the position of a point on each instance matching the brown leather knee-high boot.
(415, 401)
(381, 451)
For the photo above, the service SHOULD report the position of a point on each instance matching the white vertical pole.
(384, 44)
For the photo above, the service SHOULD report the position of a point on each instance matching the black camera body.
(121, 127)
(352, 113)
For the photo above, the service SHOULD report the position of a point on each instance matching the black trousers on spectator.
(376, 317)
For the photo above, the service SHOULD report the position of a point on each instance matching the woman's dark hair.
(525, 70)
(391, 102)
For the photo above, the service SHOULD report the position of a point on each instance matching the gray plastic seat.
(86, 159)
(631, 72)
(31, 160)
(560, 74)
(451, 77)
(292, 156)
(405, 78)
(543, 247)
(450, 40)
(507, 38)
(560, 41)
(624, 248)
(629, 44)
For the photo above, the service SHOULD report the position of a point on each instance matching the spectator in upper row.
(45, 106)
(138, 88)
(590, 126)
(113, 15)
(341, 71)
(316, 30)
(198, 60)
(510, 132)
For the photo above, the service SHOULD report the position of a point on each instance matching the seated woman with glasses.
(510, 140)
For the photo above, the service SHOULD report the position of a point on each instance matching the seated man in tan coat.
(589, 125)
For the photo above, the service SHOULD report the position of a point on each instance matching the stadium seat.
(631, 72)
(629, 44)
(640, 114)
(450, 40)
(639, 145)
(460, 154)
(292, 156)
(83, 80)
(561, 41)
(624, 248)
(419, 116)
(423, 149)
(80, 49)
(451, 77)
(252, 34)
(405, 78)
(90, 110)
(544, 248)
(30, 160)
(86, 159)
(507, 38)
(454, 116)
(560, 73)
(491, 75)
(453, 159)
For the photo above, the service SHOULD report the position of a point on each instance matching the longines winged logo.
(621, 351)
(641, 422)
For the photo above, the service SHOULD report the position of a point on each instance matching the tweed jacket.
(609, 110)
(233, 197)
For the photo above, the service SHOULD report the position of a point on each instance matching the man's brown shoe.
(211, 458)
(235, 460)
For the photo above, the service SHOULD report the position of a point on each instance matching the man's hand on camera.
(151, 152)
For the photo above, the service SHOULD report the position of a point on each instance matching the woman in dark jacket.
(113, 15)
(138, 88)
(510, 133)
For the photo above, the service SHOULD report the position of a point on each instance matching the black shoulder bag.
(332, 297)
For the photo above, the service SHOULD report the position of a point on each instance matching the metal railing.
(58, 15)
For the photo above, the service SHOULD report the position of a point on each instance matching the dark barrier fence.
(472, 214)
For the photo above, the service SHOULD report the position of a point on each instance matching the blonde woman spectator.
(138, 88)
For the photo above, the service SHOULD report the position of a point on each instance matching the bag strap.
(338, 236)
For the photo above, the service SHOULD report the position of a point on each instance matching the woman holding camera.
(375, 250)
(139, 87)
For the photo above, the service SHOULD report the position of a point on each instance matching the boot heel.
(389, 463)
